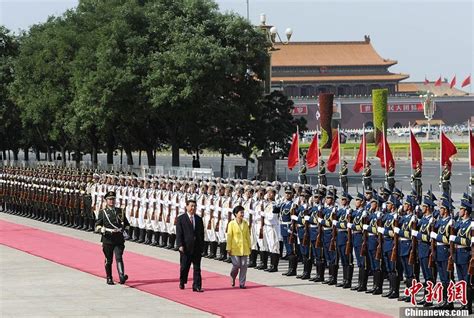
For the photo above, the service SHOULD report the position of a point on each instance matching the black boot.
(121, 272)
(85, 223)
(359, 280)
(155, 239)
(305, 268)
(309, 267)
(350, 273)
(134, 233)
(172, 240)
(396, 287)
(263, 261)
(334, 275)
(444, 304)
(253, 258)
(212, 250)
(469, 296)
(148, 237)
(391, 284)
(270, 268)
(141, 238)
(403, 297)
(92, 225)
(222, 252)
(275, 260)
(321, 270)
(164, 241)
(331, 270)
(205, 249)
(291, 266)
(316, 277)
(108, 273)
(344, 277)
(378, 290)
(363, 280)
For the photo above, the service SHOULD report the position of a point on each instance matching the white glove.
(364, 214)
(381, 230)
(102, 230)
(396, 230)
(334, 222)
(320, 220)
(349, 225)
(433, 235)
(413, 218)
(472, 224)
(306, 217)
(452, 238)
(294, 218)
(472, 240)
(365, 227)
(414, 233)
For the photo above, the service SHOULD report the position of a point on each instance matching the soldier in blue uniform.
(405, 241)
(443, 225)
(358, 216)
(422, 233)
(341, 225)
(463, 243)
(374, 214)
(314, 232)
(329, 211)
(387, 230)
(285, 208)
(305, 248)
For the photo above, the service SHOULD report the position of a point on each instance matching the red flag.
(453, 82)
(438, 82)
(415, 151)
(312, 156)
(361, 155)
(448, 149)
(471, 148)
(293, 155)
(385, 154)
(467, 81)
(334, 156)
(426, 81)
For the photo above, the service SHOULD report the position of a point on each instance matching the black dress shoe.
(242, 287)
(110, 281)
(198, 290)
(232, 281)
(181, 286)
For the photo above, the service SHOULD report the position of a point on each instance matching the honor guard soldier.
(441, 236)
(302, 173)
(343, 177)
(417, 184)
(463, 242)
(422, 234)
(446, 179)
(358, 217)
(303, 213)
(329, 214)
(341, 225)
(316, 210)
(285, 208)
(112, 223)
(322, 173)
(390, 175)
(367, 176)
(271, 230)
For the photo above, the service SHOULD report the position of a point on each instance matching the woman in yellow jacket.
(238, 245)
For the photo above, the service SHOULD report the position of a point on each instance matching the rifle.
(414, 246)
(211, 213)
(293, 227)
(262, 223)
(176, 209)
(332, 244)
(394, 255)
(452, 250)
(306, 238)
(160, 218)
(250, 216)
(471, 262)
(154, 205)
(378, 252)
(229, 214)
(137, 206)
(349, 235)
(168, 217)
(219, 215)
(432, 257)
(319, 238)
(365, 238)
(145, 216)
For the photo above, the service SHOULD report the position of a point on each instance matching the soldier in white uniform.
(173, 214)
(209, 220)
(271, 230)
(201, 211)
(258, 228)
(150, 212)
(249, 215)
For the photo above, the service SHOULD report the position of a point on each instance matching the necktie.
(192, 221)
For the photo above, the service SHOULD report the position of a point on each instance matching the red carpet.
(161, 278)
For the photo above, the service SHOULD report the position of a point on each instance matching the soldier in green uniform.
(416, 181)
(367, 176)
(446, 179)
(322, 173)
(343, 177)
(112, 224)
(390, 175)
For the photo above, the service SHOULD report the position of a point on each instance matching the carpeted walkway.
(161, 278)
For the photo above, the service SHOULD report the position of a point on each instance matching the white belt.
(404, 239)
(286, 223)
(112, 230)
(356, 232)
(312, 225)
(439, 243)
(371, 234)
(342, 230)
(326, 229)
(462, 246)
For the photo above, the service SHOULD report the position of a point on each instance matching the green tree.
(379, 102)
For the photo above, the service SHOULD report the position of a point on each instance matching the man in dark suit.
(190, 240)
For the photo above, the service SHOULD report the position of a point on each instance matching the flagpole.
(440, 155)
(298, 140)
(384, 153)
(317, 149)
(339, 153)
(364, 155)
(411, 149)
(469, 150)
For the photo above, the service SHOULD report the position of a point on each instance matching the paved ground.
(32, 286)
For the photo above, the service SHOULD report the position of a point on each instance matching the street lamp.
(273, 37)
(429, 108)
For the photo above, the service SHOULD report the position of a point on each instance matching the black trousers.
(185, 264)
(111, 249)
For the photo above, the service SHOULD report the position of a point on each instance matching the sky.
(429, 38)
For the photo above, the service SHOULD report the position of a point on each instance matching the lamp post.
(428, 109)
(273, 37)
